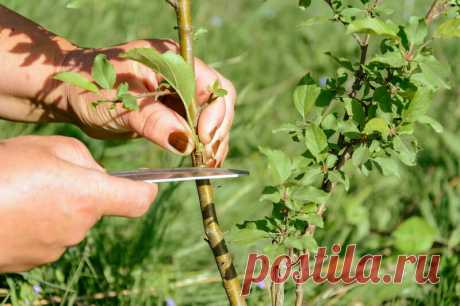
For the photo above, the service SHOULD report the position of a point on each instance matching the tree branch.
(213, 233)
(438, 7)
(173, 3)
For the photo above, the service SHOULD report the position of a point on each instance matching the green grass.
(260, 47)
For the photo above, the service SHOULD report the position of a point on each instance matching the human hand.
(51, 193)
(160, 122)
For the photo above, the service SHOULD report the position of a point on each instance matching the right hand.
(51, 193)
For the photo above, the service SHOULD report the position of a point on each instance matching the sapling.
(178, 72)
(363, 119)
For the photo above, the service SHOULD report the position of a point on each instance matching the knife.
(179, 174)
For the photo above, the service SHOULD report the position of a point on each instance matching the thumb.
(122, 197)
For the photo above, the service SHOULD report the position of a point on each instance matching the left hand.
(160, 122)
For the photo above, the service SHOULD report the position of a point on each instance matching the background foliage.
(162, 258)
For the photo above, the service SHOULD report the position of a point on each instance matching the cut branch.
(213, 233)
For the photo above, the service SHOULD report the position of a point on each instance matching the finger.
(222, 156)
(162, 126)
(68, 149)
(216, 151)
(121, 197)
(205, 77)
(210, 120)
(216, 120)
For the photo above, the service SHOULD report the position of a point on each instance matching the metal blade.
(179, 174)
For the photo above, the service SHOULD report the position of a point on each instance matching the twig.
(438, 7)
(173, 3)
(213, 233)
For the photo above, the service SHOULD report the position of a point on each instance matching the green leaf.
(388, 165)
(433, 75)
(122, 90)
(314, 21)
(217, 90)
(449, 29)
(417, 30)
(271, 194)
(355, 110)
(435, 125)
(103, 72)
(76, 79)
(406, 152)
(342, 61)
(383, 98)
(414, 236)
(418, 106)
(377, 125)
(393, 59)
(73, 4)
(311, 175)
(373, 26)
(279, 163)
(305, 97)
(312, 218)
(339, 177)
(129, 102)
(306, 194)
(246, 235)
(315, 141)
(360, 156)
(173, 68)
(305, 242)
(304, 4)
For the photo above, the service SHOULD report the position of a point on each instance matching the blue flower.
(37, 289)
(170, 302)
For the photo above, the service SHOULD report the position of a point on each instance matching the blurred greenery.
(162, 257)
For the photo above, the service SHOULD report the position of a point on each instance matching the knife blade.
(166, 175)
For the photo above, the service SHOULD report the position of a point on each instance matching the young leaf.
(76, 79)
(122, 90)
(449, 29)
(377, 125)
(129, 102)
(305, 97)
(173, 68)
(417, 30)
(218, 91)
(316, 141)
(373, 26)
(103, 72)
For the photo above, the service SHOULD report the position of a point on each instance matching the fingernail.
(180, 141)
